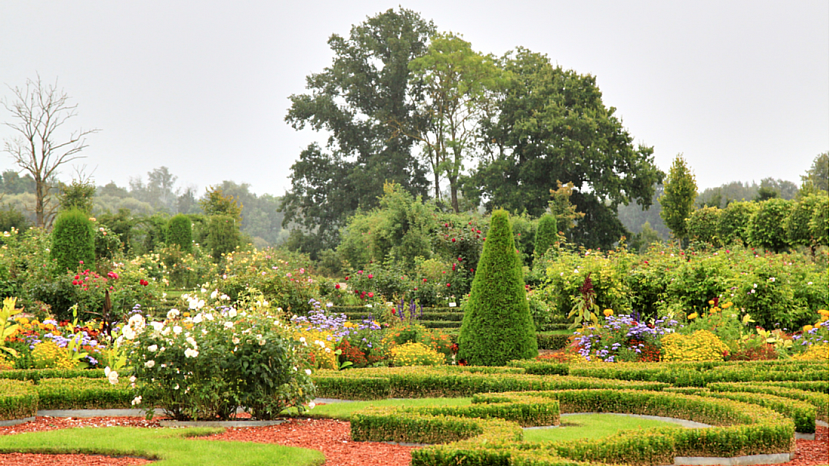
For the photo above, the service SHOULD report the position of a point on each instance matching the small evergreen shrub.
(73, 240)
(497, 325)
(179, 233)
(546, 234)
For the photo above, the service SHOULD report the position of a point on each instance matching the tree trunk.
(454, 194)
(39, 203)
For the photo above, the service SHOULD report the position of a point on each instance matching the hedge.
(81, 393)
(820, 401)
(743, 429)
(18, 400)
(552, 341)
(802, 413)
(38, 374)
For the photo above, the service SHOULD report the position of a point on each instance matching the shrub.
(180, 233)
(702, 345)
(223, 235)
(766, 225)
(819, 223)
(702, 225)
(73, 240)
(416, 354)
(497, 325)
(734, 222)
(203, 367)
(47, 355)
(546, 235)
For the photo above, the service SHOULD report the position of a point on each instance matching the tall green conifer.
(497, 325)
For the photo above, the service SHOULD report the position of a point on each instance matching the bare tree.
(38, 110)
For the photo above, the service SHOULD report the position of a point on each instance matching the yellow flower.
(807, 328)
(692, 316)
(22, 320)
(186, 314)
(608, 312)
(727, 305)
(714, 310)
(711, 302)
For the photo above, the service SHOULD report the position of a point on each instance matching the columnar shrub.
(766, 225)
(819, 223)
(497, 325)
(546, 234)
(702, 225)
(73, 240)
(180, 234)
(223, 235)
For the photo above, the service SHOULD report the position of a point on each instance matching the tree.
(77, 194)
(679, 193)
(216, 202)
(497, 325)
(366, 87)
(546, 235)
(551, 124)
(819, 172)
(179, 233)
(457, 84)
(38, 111)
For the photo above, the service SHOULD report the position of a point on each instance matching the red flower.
(337, 286)
(473, 271)
(371, 295)
(416, 288)
(347, 278)
(453, 240)
(448, 285)
(77, 277)
(81, 262)
(425, 280)
(370, 276)
(459, 259)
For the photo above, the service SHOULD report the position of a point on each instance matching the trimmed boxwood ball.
(73, 240)
(546, 234)
(180, 233)
(497, 325)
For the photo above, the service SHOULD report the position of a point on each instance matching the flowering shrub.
(699, 346)
(47, 355)
(623, 338)
(813, 335)
(203, 367)
(416, 354)
(819, 352)
(363, 344)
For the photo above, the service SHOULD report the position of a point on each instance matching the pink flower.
(371, 276)
(371, 295)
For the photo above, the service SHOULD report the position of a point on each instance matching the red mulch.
(329, 436)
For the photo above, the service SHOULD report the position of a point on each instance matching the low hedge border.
(83, 393)
(419, 382)
(803, 414)
(745, 429)
(38, 374)
(810, 386)
(18, 400)
(552, 341)
(820, 401)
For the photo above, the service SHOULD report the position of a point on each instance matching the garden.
(464, 340)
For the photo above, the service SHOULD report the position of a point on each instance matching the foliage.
(679, 192)
(77, 195)
(497, 325)
(547, 235)
(702, 345)
(107, 246)
(366, 87)
(416, 354)
(820, 222)
(216, 202)
(223, 235)
(179, 233)
(622, 338)
(733, 224)
(819, 172)
(766, 225)
(73, 240)
(702, 225)
(241, 359)
(11, 218)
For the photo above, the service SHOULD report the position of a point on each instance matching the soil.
(329, 436)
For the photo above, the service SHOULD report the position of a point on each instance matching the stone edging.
(735, 461)
(14, 422)
(220, 423)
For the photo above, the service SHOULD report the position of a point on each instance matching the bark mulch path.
(329, 436)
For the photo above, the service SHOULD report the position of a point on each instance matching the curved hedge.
(18, 400)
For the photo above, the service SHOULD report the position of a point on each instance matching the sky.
(740, 88)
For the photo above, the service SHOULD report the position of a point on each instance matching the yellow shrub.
(416, 354)
(815, 353)
(48, 355)
(702, 345)
(320, 346)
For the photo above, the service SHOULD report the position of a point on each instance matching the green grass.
(171, 447)
(344, 410)
(592, 426)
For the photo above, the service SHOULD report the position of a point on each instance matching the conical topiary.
(546, 235)
(179, 232)
(497, 325)
(73, 241)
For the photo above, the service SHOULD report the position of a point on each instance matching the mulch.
(329, 436)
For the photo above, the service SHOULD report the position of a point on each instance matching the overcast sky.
(202, 87)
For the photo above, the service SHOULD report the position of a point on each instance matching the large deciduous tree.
(458, 84)
(678, 201)
(354, 100)
(552, 125)
(38, 112)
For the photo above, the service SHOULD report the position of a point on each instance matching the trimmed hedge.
(18, 400)
(81, 393)
(552, 341)
(744, 429)
(802, 413)
(38, 374)
(820, 401)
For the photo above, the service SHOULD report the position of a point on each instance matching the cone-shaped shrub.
(73, 240)
(546, 235)
(180, 233)
(497, 325)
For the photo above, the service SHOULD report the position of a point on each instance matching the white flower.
(809, 283)
(132, 379)
(172, 314)
(266, 303)
(228, 324)
(190, 353)
(191, 341)
(576, 271)
(177, 330)
(203, 290)
(136, 401)
(232, 313)
(197, 319)
(112, 376)
(152, 348)
(755, 285)
(772, 279)
(311, 405)
(213, 294)
(128, 332)
(752, 290)
(137, 323)
(302, 339)
(261, 342)
(176, 387)
(209, 316)
(328, 350)
(308, 372)
(235, 341)
(149, 364)
(225, 297)
(157, 326)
